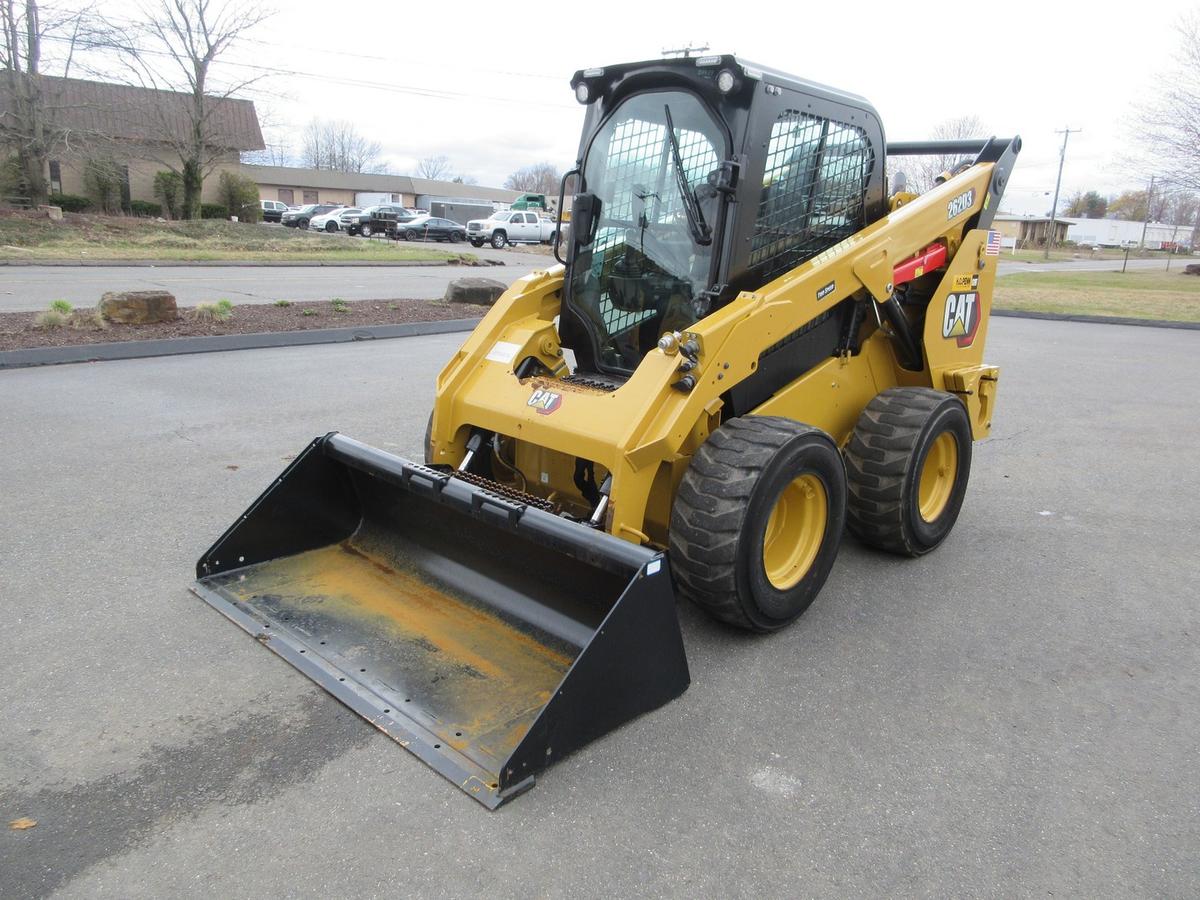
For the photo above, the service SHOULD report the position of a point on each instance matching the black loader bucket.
(488, 637)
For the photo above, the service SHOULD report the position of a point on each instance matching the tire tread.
(707, 515)
(878, 458)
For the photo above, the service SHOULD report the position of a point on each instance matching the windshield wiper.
(701, 233)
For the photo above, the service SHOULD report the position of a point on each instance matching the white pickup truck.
(510, 227)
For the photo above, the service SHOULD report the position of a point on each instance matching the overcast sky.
(487, 85)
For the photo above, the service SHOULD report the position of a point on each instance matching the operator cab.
(700, 178)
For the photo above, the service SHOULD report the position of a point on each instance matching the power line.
(412, 90)
(124, 20)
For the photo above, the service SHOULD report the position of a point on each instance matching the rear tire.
(758, 520)
(907, 464)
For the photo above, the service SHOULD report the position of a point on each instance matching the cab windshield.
(649, 264)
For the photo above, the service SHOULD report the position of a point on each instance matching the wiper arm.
(701, 233)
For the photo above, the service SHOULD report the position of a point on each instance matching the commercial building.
(1030, 231)
(1127, 233)
(129, 131)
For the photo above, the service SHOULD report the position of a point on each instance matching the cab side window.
(813, 185)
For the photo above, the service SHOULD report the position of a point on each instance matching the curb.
(53, 356)
(1096, 320)
(238, 264)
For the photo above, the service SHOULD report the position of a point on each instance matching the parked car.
(299, 218)
(431, 228)
(273, 210)
(379, 219)
(510, 227)
(331, 221)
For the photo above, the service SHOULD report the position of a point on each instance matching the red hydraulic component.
(932, 257)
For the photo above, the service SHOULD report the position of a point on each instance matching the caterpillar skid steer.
(749, 347)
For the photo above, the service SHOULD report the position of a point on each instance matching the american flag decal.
(993, 244)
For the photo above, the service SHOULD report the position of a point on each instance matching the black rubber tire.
(499, 239)
(720, 515)
(331, 227)
(302, 224)
(455, 237)
(476, 243)
(366, 230)
(884, 461)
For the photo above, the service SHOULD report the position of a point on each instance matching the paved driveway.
(27, 288)
(1014, 715)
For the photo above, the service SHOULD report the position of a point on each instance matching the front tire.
(907, 465)
(331, 227)
(476, 243)
(757, 521)
(499, 239)
(455, 237)
(366, 231)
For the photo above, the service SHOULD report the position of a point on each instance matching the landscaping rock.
(138, 307)
(1191, 269)
(53, 213)
(480, 291)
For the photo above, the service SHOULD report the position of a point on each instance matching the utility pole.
(1062, 156)
(685, 52)
(1146, 217)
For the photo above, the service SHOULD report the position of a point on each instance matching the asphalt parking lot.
(30, 288)
(1015, 714)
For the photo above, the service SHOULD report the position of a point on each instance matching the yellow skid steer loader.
(748, 348)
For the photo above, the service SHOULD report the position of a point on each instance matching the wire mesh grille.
(639, 168)
(813, 187)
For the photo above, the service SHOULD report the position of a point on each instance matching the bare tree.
(1185, 207)
(278, 145)
(1170, 124)
(338, 146)
(540, 178)
(921, 172)
(1140, 206)
(192, 36)
(435, 168)
(28, 105)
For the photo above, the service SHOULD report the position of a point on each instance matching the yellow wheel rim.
(938, 474)
(795, 530)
